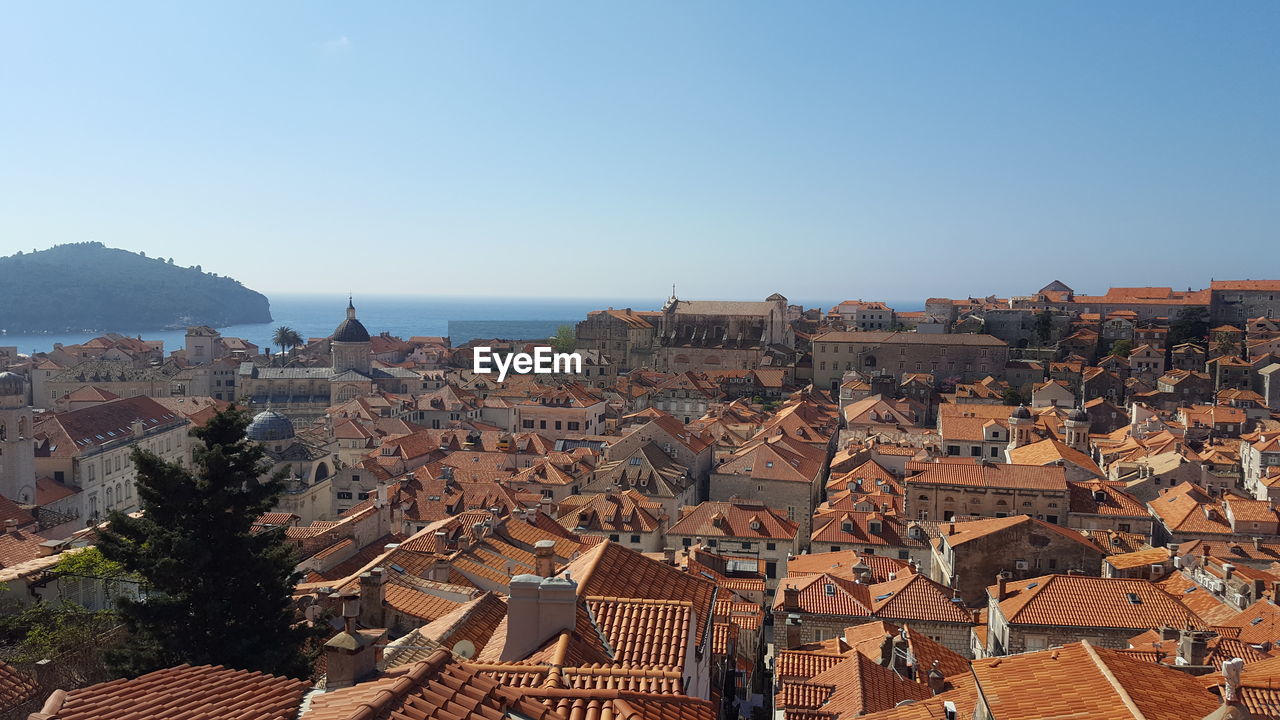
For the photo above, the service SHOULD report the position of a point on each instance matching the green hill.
(93, 288)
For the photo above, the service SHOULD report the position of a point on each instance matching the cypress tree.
(215, 592)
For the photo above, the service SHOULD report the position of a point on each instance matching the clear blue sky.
(821, 149)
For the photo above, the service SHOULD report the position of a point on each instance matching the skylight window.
(885, 596)
(397, 568)
(829, 589)
(1134, 599)
(1256, 620)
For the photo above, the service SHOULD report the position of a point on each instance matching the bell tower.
(17, 450)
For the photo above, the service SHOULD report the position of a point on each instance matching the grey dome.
(351, 330)
(1022, 413)
(12, 384)
(270, 426)
(1078, 415)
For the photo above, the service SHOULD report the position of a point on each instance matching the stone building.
(722, 335)
(1235, 301)
(967, 556)
(787, 472)
(813, 608)
(87, 450)
(304, 392)
(1052, 610)
(949, 358)
(628, 336)
(307, 467)
(743, 528)
(17, 454)
(959, 491)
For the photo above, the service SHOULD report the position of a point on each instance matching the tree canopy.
(214, 591)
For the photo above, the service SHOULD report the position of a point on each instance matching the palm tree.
(285, 337)
(295, 340)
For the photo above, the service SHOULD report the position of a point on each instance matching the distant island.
(93, 288)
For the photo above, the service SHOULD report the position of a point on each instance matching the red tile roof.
(205, 692)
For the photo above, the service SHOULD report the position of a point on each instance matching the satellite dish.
(312, 612)
(465, 649)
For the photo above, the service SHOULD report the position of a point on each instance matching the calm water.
(317, 316)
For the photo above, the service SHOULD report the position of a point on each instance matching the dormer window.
(829, 589)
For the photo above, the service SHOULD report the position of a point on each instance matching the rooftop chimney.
(373, 593)
(353, 654)
(790, 598)
(440, 571)
(1193, 647)
(538, 610)
(937, 682)
(544, 557)
(1002, 582)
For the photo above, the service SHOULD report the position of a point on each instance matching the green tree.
(215, 592)
(1122, 348)
(1011, 396)
(1224, 345)
(1044, 326)
(286, 337)
(1191, 325)
(564, 340)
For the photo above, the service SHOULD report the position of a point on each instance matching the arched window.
(347, 393)
(111, 497)
(869, 361)
(22, 427)
(3, 432)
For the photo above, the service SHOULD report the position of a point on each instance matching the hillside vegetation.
(94, 288)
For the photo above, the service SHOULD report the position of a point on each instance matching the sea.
(458, 318)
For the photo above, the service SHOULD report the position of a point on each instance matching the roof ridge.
(1111, 678)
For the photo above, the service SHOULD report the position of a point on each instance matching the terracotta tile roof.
(610, 570)
(740, 518)
(1187, 509)
(19, 546)
(1139, 558)
(644, 633)
(994, 475)
(16, 687)
(964, 532)
(775, 457)
(436, 688)
(474, 622)
(1052, 450)
(962, 693)
(1115, 500)
(800, 664)
(862, 528)
(627, 511)
(1093, 602)
(1083, 681)
(916, 597)
(205, 692)
(411, 601)
(841, 563)
(1258, 623)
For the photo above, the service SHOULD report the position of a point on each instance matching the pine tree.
(216, 593)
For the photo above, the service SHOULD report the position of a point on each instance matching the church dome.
(12, 384)
(1022, 413)
(1078, 415)
(270, 426)
(351, 330)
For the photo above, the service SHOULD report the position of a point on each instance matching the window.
(558, 425)
(526, 424)
(614, 537)
(829, 589)
(771, 569)
(1124, 527)
(634, 461)
(542, 424)
(771, 546)
(686, 541)
(573, 425)
(746, 546)
(635, 538)
(904, 555)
